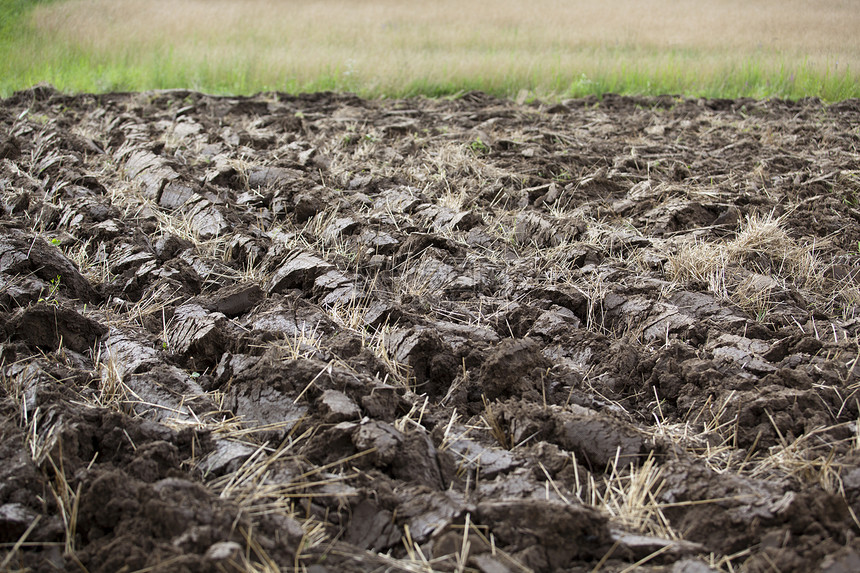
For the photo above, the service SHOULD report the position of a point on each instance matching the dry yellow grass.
(825, 28)
(760, 261)
(388, 46)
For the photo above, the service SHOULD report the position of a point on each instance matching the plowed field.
(330, 334)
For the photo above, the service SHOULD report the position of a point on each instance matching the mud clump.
(514, 368)
(333, 334)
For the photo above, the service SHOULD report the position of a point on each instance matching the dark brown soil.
(329, 334)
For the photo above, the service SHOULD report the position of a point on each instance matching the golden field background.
(387, 47)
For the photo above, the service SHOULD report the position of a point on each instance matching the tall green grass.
(391, 49)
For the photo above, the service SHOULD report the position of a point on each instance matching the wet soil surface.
(329, 334)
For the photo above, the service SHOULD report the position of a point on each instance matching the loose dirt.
(329, 334)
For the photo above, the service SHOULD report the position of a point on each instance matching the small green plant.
(53, 289)
(479, 147)
(563, 177)
(56, 242)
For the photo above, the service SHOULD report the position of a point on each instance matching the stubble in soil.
(330, 334)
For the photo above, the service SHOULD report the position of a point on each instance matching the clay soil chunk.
(338, 407)
(21, 253)
(577, 531)
(372, 527)
(513, 369)
(200, 335)
(150, 170)
(234, 300)
(600, 439)
(298, 270)
(51, 326)
(131, 350)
